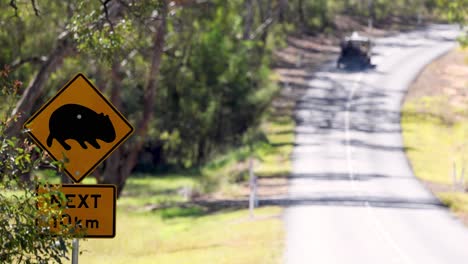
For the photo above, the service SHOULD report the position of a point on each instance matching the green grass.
(179, 232)
(433, 144)
(223, 237)
(435, 137)
(142, 190)
(183, 232)
(458, 202)
(275, 156)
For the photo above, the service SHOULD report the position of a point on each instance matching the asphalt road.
(353, 195)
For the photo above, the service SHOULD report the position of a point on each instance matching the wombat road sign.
(72, 121)
(88, 210)
(79, 127)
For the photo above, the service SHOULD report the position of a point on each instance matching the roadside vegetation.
(157, 222)
(435, 129)
(153, 226)
(22, 240)
(227, 237)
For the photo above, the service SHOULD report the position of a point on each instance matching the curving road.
(354, 196)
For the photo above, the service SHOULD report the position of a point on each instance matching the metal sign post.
(253, 188)
(75, 251)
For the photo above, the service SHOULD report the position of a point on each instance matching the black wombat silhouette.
(73, 121)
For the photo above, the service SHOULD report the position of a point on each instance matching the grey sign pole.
(75, 251)
(253, 188)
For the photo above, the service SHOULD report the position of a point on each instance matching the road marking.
(378, 226)
(347, 130)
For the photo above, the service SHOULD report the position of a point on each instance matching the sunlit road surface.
(353, 196)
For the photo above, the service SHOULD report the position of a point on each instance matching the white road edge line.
(378, 226)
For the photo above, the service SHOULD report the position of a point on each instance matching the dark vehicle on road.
(355, 52)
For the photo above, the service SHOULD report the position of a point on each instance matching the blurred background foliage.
(213, 82)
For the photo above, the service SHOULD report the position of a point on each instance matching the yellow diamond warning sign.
(88, 210)
(78, 126)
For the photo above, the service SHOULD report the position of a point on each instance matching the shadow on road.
(347, 201)
(357, 201)
(363, 144)
(328, 176)
(321, 111)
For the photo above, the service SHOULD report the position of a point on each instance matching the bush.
(21, 240)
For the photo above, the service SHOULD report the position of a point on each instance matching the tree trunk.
(264, 16)
(283, 6)
(370, 6)
(248, 20)
(119, 165)
(261, 10)
(300, 11)
(36, 86)
(324, 14)
(347, 7)
(65, 179)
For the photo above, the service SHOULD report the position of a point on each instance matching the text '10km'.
(87, 210)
